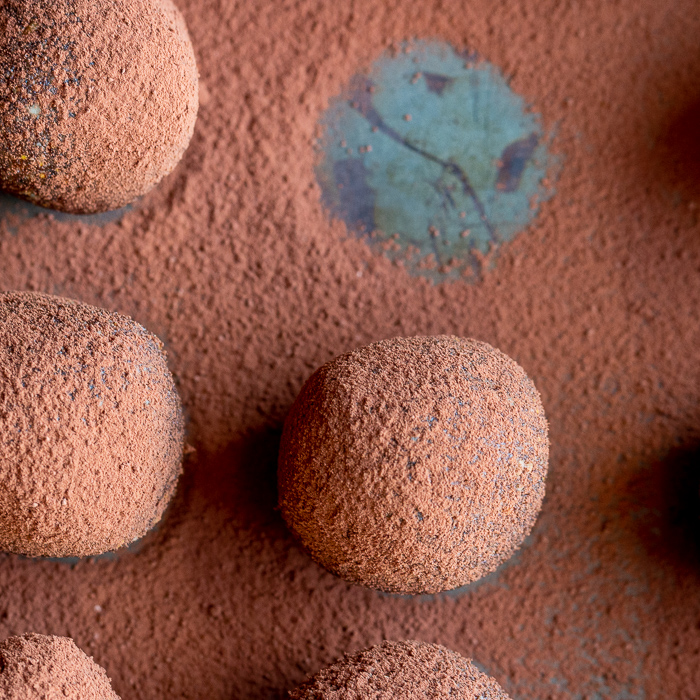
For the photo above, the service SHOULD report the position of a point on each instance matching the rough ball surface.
(414, 465)
(401, 671)
(39, 667)
(91, 428)
(98, 99)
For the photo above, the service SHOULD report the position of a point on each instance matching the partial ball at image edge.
(98, 100)
(38, 666)
(91, 428)
(397, 670)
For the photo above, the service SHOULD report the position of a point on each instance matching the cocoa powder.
(233, 262)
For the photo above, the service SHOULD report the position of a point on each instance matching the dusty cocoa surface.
(91, 428)
(233, 263)
(40, 667)
(99, 99)
(414, 465)
(407, 669)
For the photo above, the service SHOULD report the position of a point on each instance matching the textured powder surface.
(90, 428)
(414, 465)
(233, 262)
(98, 99)
(394, 670)
(39, 667)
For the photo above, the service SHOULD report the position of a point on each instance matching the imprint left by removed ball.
(91, 428)
(98, 100)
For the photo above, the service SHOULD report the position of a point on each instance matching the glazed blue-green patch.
(433, 159)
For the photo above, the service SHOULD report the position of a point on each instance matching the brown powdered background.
(410, 670)
(98, 99)
(39, 667)
(233, 263)
(414, 465)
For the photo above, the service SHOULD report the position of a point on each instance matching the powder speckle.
(98, 99)
(414, 465)
(90, 428)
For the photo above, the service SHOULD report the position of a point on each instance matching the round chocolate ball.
(98, 100)
(91, 428)
(399, 670)
(414, 465)
(39, 667)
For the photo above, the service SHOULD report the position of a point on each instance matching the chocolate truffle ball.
(414, 465)
(39, 667)
(91, 428)
(401, 671)
(98, 99)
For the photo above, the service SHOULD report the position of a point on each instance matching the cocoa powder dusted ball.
(98, 99)
(401, 671)
(414, 465)
(91, 428)
(39, 667)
